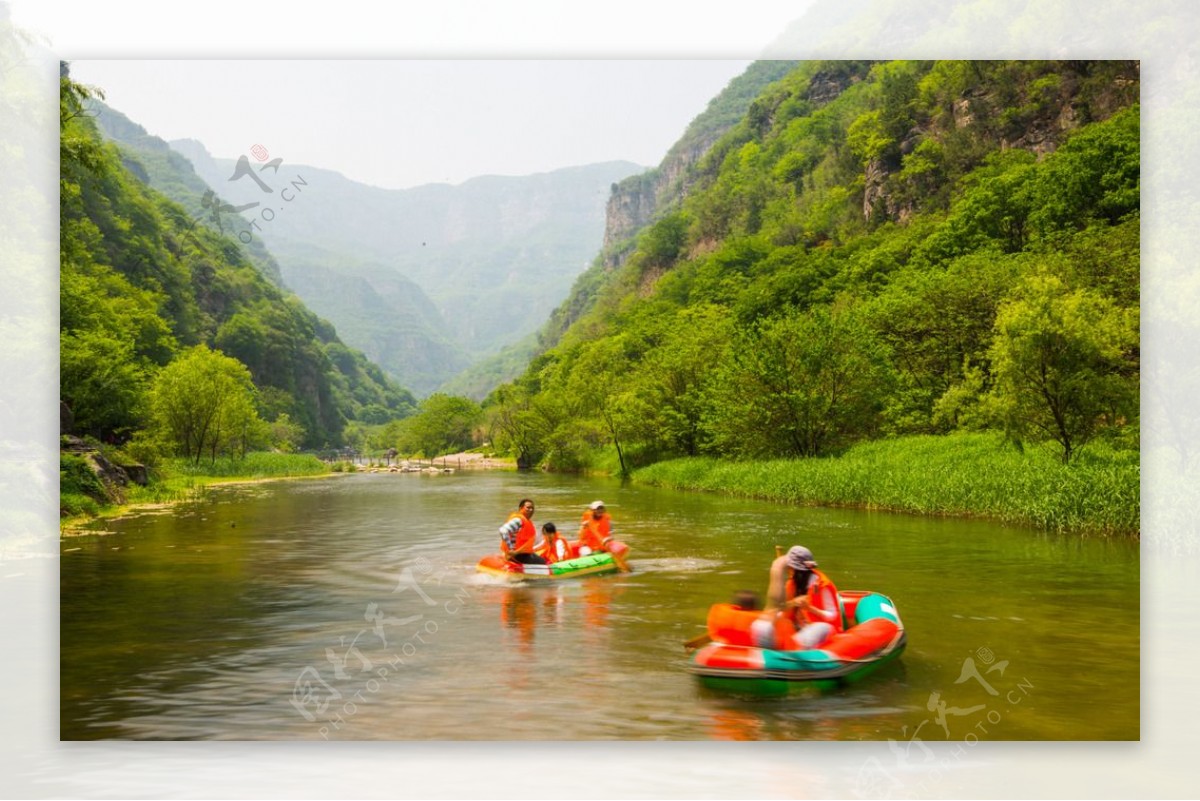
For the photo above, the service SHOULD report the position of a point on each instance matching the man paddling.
(595, 529)
(595, 534)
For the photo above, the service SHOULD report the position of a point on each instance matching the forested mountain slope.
(874, 249)
(388, 318)
(143, 280)
(632, 203)
(494, 255)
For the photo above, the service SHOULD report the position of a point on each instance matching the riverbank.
(176, 481)
(465, 460)
(958, 475)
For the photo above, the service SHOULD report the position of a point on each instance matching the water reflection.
(586, 607)
(518, 612)
(197, 624)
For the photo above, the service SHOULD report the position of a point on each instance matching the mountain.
(154, 163)
(874, 249)
(642, 198)
(144, 278)
(632, 203)
(494, 255)
(388, 318)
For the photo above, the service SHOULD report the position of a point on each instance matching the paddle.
(618, 550)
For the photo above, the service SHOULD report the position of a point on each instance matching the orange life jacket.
(526, 534)
(594, 532)
(555, 549)
(823, 603)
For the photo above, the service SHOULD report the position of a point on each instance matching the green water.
(349, 608)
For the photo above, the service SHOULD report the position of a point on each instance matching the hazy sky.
(402, 123)
(399, 94)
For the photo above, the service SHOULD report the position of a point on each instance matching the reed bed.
(969, 475)
(181, 480)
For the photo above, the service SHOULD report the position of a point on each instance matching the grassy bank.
(177, 480)
(970, 475)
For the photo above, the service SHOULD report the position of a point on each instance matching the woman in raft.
(793, 581)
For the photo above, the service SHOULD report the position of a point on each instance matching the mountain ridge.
(489, 243)
(144, 280)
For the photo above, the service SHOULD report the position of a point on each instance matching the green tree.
(803, 385)
(601, 384)
(677, 379)
(935, 323)
(204, 404)
(1064, 363)
(101, 382)
(519, 424)
(443, 424)
(286, 435)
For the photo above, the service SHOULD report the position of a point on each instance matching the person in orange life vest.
(794, 582)
(518, 536)
(553, 546)
(595, 530)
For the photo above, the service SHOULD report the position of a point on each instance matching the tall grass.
(957, 475)
(253, 465)
(181, 480)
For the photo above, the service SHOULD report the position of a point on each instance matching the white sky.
(442, 92)
(401, 123)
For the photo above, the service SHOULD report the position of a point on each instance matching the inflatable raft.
(592, 564)
(870, 634)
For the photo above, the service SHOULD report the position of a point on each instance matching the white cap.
(596, 504)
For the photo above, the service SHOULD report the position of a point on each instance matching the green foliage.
(80, 490)
(102, 382)
(203, 404)
(662, 242)
(679, 381)
(519, 425)
(141, 277)
(76, 477)
(253, 465)
(960, 474)
(442, 424)
(858, 258)
(286, 435)
(803, 385)
(1064, 363)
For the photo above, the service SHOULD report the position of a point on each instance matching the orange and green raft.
(592, 564)
(870, 634)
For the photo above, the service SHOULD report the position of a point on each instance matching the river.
(349, 608)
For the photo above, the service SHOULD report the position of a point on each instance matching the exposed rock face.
(630, 206)
(113, 477)
(137, 474)
(635, 201)
(825, 87)
(1042, 125)
(873, 189)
